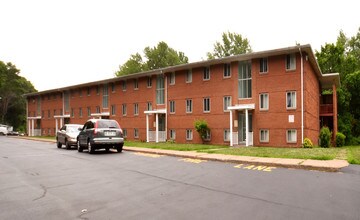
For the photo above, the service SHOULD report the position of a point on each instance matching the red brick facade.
(271, 126)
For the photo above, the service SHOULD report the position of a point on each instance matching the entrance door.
(242, 126)
(161, 122)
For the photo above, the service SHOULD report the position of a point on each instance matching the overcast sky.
(58, 43)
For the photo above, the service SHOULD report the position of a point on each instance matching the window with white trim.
(88, 91)
(112, 87)
(172, 78)
(290, 62)
(149, 106)
(149, 82)
(80, 113)
(207, 135)
(188, 105)
(245, 80)
(136, 133)
(206, 75)
(124, 85)
(136, 109)
(227, 135)
(291, 136)
(136, 84)
(291, 100)
(97, 90)
(124, 109)
(264, 135)
(206, 103)
(172, 106)
(113, 110)
(105, 101)
(97, 109)
(264, 101)
(227, 102)
(88, 111)
(227, 70)
(188, 76)
(172, 134)
(72, 113)
(189, 134)
(124, 133)
(263, 65)
(160, 90)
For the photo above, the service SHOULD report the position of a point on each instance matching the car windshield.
(72, 129)
(107, 124)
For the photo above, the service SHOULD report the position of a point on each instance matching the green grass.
(353, 154)
(174, 146)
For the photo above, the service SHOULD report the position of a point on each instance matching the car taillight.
(95, 128)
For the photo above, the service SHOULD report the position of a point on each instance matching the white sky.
(58, 43)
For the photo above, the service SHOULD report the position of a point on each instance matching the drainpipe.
(166, 101)
(302, 97)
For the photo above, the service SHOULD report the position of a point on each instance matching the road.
(40, 181)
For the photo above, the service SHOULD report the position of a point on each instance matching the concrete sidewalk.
(322, 165)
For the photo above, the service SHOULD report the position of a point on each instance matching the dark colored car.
(67, 135)
(100, 134)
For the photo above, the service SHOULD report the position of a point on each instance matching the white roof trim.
(61, 116)
(242, 107)
(100, 114)
(156, 111)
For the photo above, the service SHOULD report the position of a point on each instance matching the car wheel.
(58, 144)
(68, 146)
(119, 148)
(80, 148)
(91, 148)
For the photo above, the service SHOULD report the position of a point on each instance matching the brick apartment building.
(268, 98)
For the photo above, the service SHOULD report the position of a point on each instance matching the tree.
(232, 44)
(12, 89)
(156, 57)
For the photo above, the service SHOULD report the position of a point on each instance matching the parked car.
(100, 134)
(67, 135)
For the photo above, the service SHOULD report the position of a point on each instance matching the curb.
(319, 165)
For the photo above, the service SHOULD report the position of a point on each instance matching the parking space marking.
(190, 160)
(148, 155)
(255, 167)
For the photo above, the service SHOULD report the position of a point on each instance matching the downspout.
(166, 101)
(302, 97)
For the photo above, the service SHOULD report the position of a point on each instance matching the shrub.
(202, 128)
(325, 137)
(340, 139)
(307, 143)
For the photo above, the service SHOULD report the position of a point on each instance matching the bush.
(340, 139)
(202, 128)
(325, 137)
(307, 143)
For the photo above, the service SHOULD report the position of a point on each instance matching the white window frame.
(264, 106)
(293, 135)
(105, 98)
(227, 70)
(136, 84)
(290, 62)
(172, 134)
(149, 106)
(263, 65)
(188, 76)
(98, 110)
(172, 106)
(124, 109)
(136, 133)
(113, 87)
(124, 132)
(136, 108)
(264, 135)
(206, 105)
(188, 106)
(149, 82)
(208, 135)
(226, 135)
(189, 134)
(206, 73)
(113, 109)
(80, 113)
(89, 111)
(293, 102)
(227, 102)
(123, 85)
(72, 113)
(172, 78)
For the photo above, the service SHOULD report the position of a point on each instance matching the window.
(207, 136)
(189, 135)
(124, 85)
(124, 133)
(105, 101)
(112, 87)
(113, 110)
(227, 102)
(291, 136)
(123, 109)
(188, 105)
(264, 135)
(206, 75)
(149, 82)
(66, 101)
(80, 92)
(160, 90)
(172, 134)
(263, 65)
(136, 109)
(80, 112)
(244, 83)
(136, 84)
(291, 100)
(227, 70)
(264, 101)
(97, 109)
(136, 133)
(72, 113)
(97, 90)
(206, 104)
(172, 106)
(88, 111)
(149, 106)
(226, 135)
(172, 78)
(290, 62)
(88, 91)
(188, 76)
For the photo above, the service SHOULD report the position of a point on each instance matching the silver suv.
(100, 134)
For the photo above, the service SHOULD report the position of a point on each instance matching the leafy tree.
(155, 57)
(232, 44)
(12, 103)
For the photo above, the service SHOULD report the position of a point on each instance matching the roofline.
(242, 57)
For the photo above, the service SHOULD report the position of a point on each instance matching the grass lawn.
(353, 154)
(174, 146)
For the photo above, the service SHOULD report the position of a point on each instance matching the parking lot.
(40, 181)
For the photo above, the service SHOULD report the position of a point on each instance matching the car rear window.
(107, 124)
